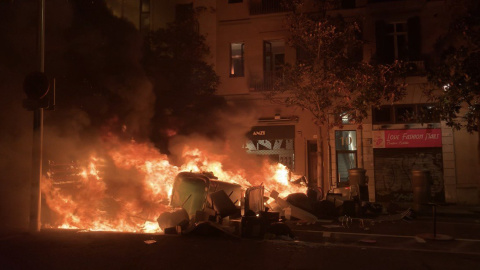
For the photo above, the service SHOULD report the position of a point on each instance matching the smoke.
(103, 98)
(101, 88)
(232, 124)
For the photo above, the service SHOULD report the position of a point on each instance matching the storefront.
(397, 152)
(276, 142)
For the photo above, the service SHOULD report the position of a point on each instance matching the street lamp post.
(35, 198)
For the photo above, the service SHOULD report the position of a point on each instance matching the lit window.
(236, 61)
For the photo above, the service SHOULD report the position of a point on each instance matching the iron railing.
(258, 7)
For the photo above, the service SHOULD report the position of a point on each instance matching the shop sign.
(271, 132)
(407, 138)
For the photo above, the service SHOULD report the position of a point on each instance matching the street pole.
(35, 198)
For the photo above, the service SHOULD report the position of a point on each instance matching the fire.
(130, 186)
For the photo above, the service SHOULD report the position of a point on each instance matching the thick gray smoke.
(100, 83)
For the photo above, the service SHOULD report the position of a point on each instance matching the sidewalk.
(458, 211)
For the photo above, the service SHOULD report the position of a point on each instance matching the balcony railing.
(415, 68)
(258, 7)
(265, 84)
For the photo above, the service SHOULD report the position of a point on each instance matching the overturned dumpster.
(201, 204)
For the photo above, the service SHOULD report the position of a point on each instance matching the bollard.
(421, 189)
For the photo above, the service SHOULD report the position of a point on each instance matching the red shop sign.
(407, 138)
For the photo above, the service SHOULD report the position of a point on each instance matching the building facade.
(248, 42)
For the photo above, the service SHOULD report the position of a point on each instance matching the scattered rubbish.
(222, 204)
(149, 242)
(203, 205)
(176, 217)
(293, 211)
(365, 223)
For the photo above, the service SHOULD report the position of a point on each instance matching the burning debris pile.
(202, 204)
(134, 188)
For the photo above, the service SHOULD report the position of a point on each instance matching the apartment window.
(145, 15)
(383, 115)
(405, 113)
(398, 40)
(428, 114)
(236, 59)
(273, 59)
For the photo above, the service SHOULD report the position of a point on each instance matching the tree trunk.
(320, 182)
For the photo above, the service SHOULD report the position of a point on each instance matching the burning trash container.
(202, 192)
(190, 192)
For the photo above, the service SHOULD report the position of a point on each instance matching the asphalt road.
(319, 246)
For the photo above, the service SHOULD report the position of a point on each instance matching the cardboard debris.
(177, 217)
(293, 211)
(205, 215)
(222, 204)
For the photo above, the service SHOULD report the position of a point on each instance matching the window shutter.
(380, 33)
(414, 38)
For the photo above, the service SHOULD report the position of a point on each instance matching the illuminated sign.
(407, 138)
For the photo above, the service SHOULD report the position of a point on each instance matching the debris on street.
(203, 205)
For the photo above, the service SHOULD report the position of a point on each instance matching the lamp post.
(35, 82)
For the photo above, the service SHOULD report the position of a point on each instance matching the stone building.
(248, 42)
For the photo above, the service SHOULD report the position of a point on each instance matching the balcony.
(258, 7)
(415, 68)
(262, 84)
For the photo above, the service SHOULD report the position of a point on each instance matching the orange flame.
(134, 189)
